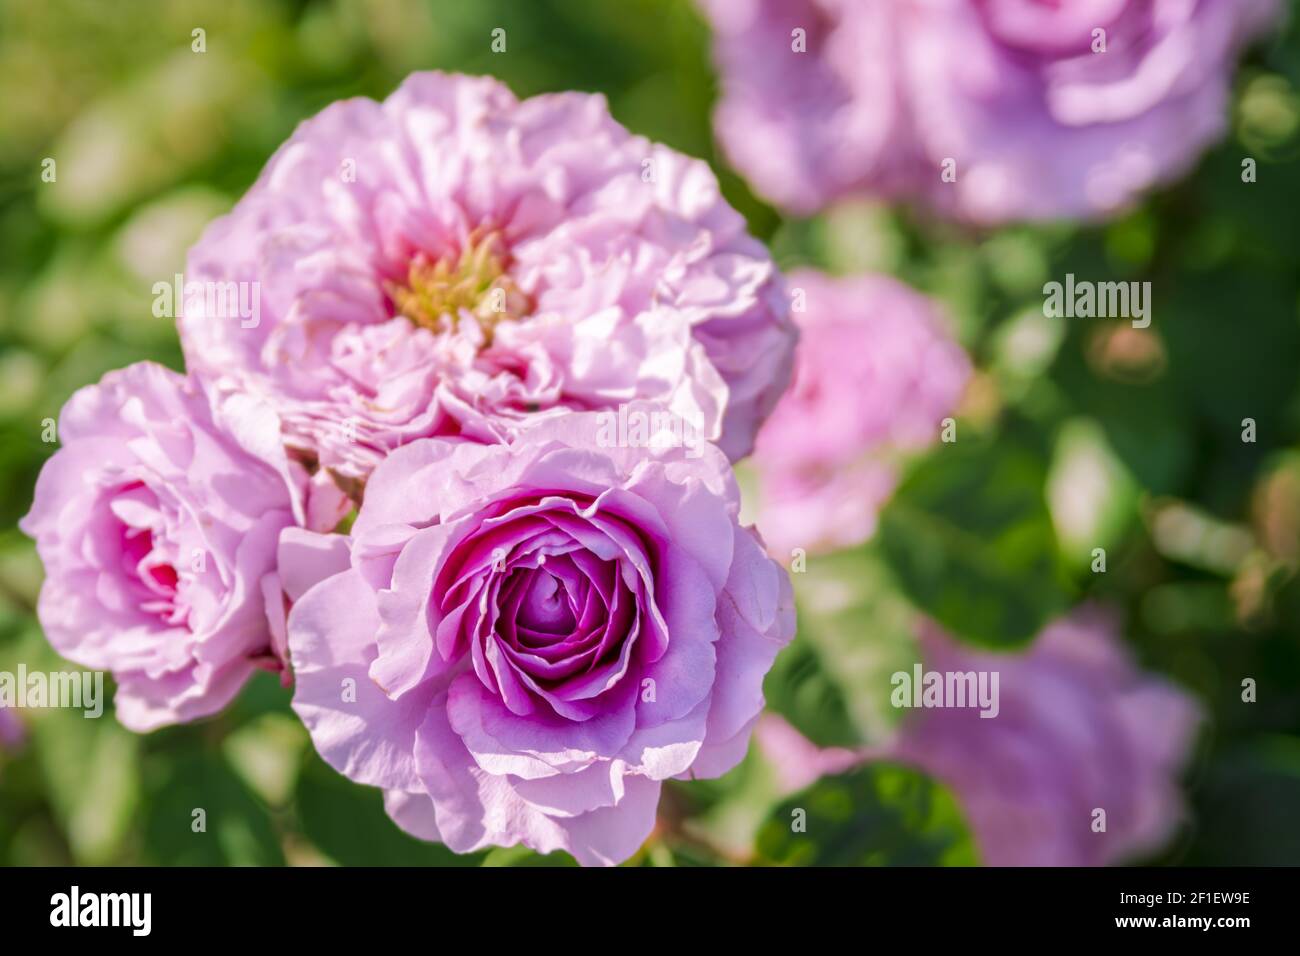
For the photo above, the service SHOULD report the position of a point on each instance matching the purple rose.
(531, 637)
(808, 126)
(456, 262)
(991, 110)
(1079, 729)
(157, 522)
(875, 374)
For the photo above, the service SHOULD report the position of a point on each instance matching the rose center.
(439, 293)
(546, 606)
(152, 570)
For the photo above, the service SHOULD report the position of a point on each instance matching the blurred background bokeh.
(1129, 438)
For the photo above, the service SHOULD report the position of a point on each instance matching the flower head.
(875, 374)
(157, 521)
(989, 110)
(455, 262)
(1079, 729)
(531, 637)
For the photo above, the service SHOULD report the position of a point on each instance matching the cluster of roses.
(395, 485)
(527, 627)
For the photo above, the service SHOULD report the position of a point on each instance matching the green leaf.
(1146, 422)
(970, 539)
(1245, 805)
(721, 816)
(346, 822)
(854, 631)
(1092, 495)
(262, 695)
(522, 856)
(91, 768)
(877, 815)
(267, 754)
(236, 828)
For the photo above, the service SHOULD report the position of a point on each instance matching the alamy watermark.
(242, 300)
(647, 427)
(75, 908)
(943, 689)
(77, 690)
(1102, 300)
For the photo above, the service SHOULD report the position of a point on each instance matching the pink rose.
(531, 637)
(1038, 110)
(1079, 728)
(157, 522)
(807, 127)
(875, 374)
(456, 262)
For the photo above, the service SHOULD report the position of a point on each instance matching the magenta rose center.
(148, 560)
(548, 611)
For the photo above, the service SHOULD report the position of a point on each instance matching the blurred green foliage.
(877, 815)
(1082, 433)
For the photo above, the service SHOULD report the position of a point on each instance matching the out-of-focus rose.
(531, 637)
(12, 732)
(1078, 728)
(875, 374)
(1035, 110)
(157, 521)
(808, 126)
(456, 262)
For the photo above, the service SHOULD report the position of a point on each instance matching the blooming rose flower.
(875, 373)
(454, 261)
(1078, 728)
(1047, 110)
(156, 521)
(807, 127)
(531, 637)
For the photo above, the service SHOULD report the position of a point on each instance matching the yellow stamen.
(437, 292)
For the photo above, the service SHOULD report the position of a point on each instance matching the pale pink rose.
(531, 637)
(875, 375)
(1078, 728)
(1042, 110)
(157, 520)
(457, 262)
(807, 127)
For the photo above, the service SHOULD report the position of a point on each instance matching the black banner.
(214, 906)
